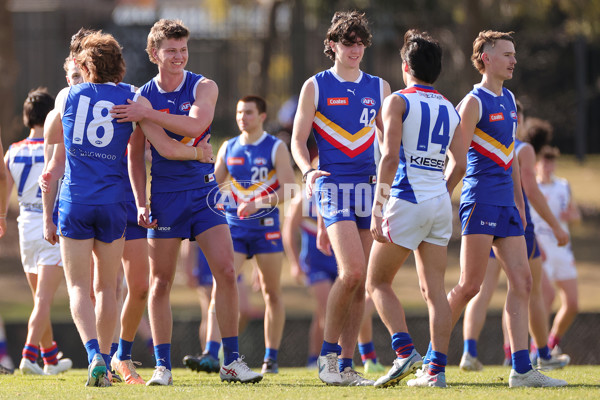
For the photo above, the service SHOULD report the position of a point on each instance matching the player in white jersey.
(419, 125)
(41, 260)
(559, 263)
(342, 105)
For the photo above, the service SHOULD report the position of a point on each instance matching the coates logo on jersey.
(496, 117)
(337, 101)
(260, 161)
(367, 101)
(185, 106)
(513, 115)
(236, 160)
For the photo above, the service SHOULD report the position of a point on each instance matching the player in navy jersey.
(419, 125)
(342, 107)
(91, 208)
(538, 322)
(259, 167)
(492, 207)
(184, 105)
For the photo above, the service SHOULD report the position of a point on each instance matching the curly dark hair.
(538, 133)
(347, 27)
(100, 58)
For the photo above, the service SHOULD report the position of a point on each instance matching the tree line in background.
(557, 41)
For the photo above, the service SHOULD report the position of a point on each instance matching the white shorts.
(35, 251)
(560, 263)
(407, 224)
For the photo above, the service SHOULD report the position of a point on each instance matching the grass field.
(300, 383)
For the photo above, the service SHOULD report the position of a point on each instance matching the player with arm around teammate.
(419, 125)
(183, 104)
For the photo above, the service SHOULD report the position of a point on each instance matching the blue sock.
(330, 348)
(113, 349)
(92, 348)
(344, 362)
(2, 347)
(212, 348)
(470, 346)
(402, 344)
(521, 362)
(437, 363)
(231, 350)
(162, 353)
(106, 358)
(124, 351)
(367, 352)
(544, 353)
(427, 357)
(270, 354)
(312, 360)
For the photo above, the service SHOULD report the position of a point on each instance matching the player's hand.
(206, 150)
(297, 273)
(246, 209)
(50, 232)
(130, 112)
(144, 218)
(2, 226)
(310, 180)
(44, 181)
(376, 222)
(323, 243)
(562, 237)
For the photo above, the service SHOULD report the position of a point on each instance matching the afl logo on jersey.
(185, 106)
(337, 101)
(513, 114)
(260, 161)
(367, 101)
(496, 117)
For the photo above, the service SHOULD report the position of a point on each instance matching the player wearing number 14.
(419, 125)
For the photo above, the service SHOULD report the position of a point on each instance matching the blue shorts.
(533, 250)
(345, 202)
(202, 271)
(134, 230)
(184, 214)
(106, 222)
(486, 219)
(316, 266)
(256, 241)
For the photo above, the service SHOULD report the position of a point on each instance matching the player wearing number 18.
(92, 202)
(419, 125)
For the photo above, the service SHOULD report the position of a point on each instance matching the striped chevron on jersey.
(194, 141)
(493, 149)
(256, 190)
(350, 144)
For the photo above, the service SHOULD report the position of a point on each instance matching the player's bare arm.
(136, 164)
(468, 110)
(170, 148)
(300, 133)
(535, 196)
(518, 192)
(192, 125)
(392, 111)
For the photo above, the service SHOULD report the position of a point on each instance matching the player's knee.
(353, 278)
(272, 296)
(160, 286)
(225, 275)
(467, 290)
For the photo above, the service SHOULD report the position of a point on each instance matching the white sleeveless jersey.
(558, 196)
(26, 162)
(428, 126)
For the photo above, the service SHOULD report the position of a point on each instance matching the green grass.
(299, 383)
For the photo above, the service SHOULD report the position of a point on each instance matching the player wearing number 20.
(419, 125)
